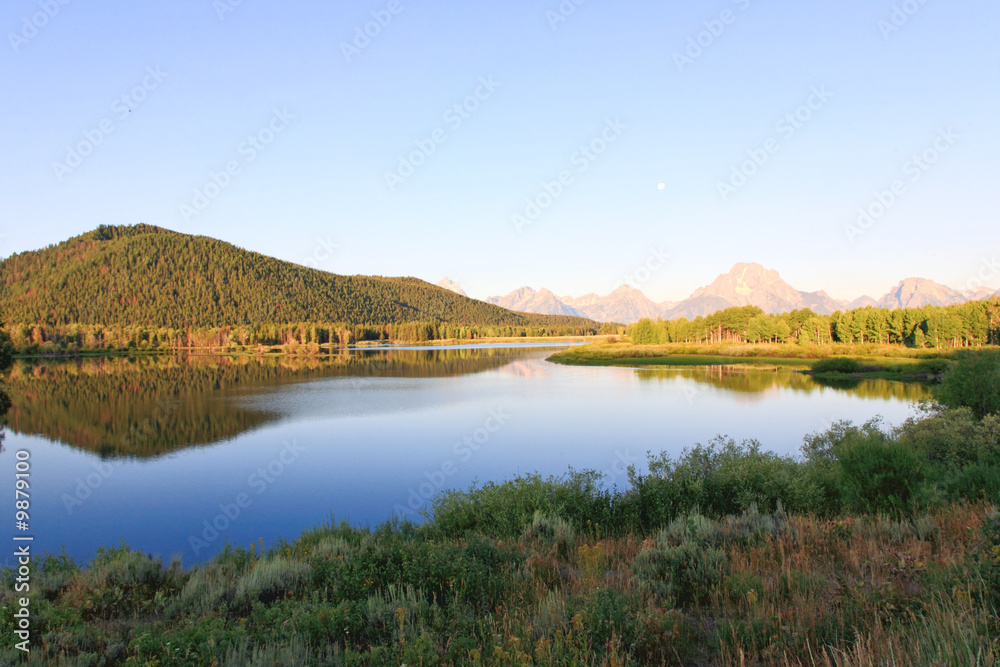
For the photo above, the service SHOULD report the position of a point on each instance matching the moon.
(661, 186)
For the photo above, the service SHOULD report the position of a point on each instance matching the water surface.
(154, 451)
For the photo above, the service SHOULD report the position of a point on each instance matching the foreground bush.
(973, 382)
(878, 474)
(942, 457)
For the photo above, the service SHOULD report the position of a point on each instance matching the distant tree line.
(305, 337)
(971, 324)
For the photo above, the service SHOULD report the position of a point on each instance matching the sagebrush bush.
(205, 589)
(270, 579)
(553, 531)
(551, 613)
(688, 572)
(396, 611)
(332, 547)
(690, 528)
(753, 527)
(122, 582)
(762, 588)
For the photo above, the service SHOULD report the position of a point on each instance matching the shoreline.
(304, 351)
(856, 363)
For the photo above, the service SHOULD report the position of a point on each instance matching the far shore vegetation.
(827, 362)
(293, 347)
(903, 344)
(971, 324)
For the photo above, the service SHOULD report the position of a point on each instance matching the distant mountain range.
(745, 284)
(527, 300)
(145, 275)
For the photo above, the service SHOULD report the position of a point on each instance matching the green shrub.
(817, 488)
(821, 446)
(6, 351)
(751, 526)
(551, 531)
(270, 580)
(975, 481)
(688, 572)
(611, 612)
(953, 437)
(503, 509)
(934, 366)
(841, 365)
(726, 477)
(207, 587)
(5, 404)
(690, 528)
(54, 573)
(121, 582)
(653, 501)
(878, 474)
(973, 382)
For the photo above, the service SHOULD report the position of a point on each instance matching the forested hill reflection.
(147, 406)
(742, 380)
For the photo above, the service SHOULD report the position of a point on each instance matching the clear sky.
(310, 115)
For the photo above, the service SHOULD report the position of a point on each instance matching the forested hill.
(148, 276)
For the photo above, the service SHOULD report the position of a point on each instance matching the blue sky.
(310, 129)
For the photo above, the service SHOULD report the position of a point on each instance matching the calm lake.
(175, 456)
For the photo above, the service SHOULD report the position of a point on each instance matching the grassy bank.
(748, 589)
(833, 362)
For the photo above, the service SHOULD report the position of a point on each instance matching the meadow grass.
(748, 589)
